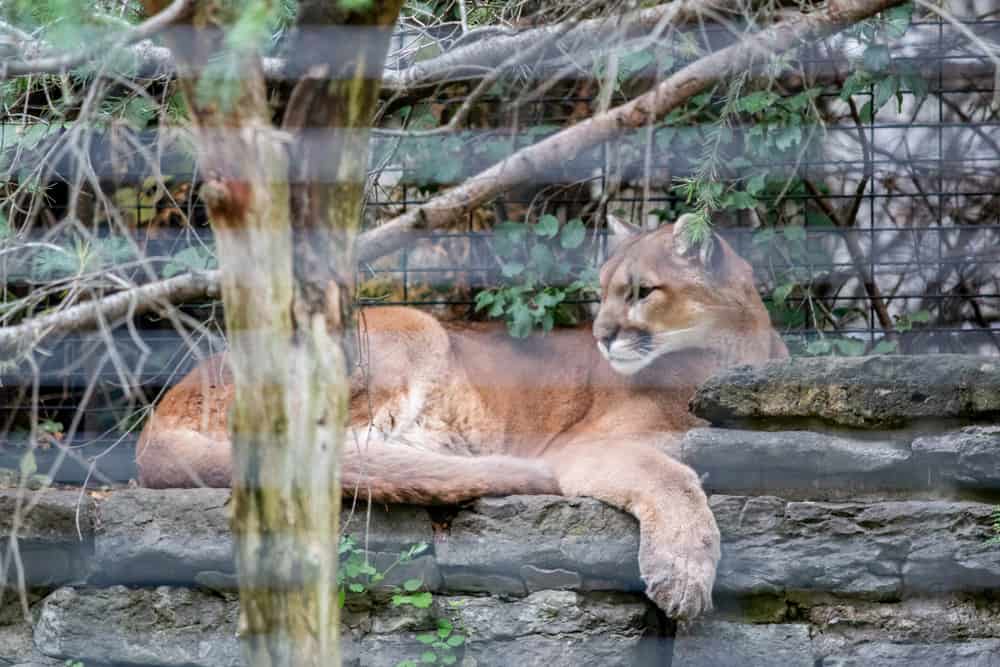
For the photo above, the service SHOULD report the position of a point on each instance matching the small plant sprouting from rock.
(356, 575)
(995, 538)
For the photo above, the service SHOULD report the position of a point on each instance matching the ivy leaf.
(426, 639)
(547, 227)
(428, 657)
(786, 137)
(781, 292)
(884, 90)
(756, 184)
(512, 269)
(542, 259)
(739, 200)
(444, 628)
(866, 114)
(455, 641)
(897, 20)
(885, 347)
(755, 102)
(849, 347)
(356, 588)
(856, 83)
(876, 57)
(28, 464)
(817, 347)
(572, 234)
(410, 585)
(794, 232)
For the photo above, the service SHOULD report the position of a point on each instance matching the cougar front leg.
(679, 539)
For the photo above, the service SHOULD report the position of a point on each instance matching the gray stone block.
(151, 537)
(162, 627)
(501, 535)
(881, 392)
(968, 458)
(722, 644)
(878, 550)
(971, 653)
(55, 534)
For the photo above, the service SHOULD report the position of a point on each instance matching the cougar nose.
(608, 338)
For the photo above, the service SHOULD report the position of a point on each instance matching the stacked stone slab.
(855, 498)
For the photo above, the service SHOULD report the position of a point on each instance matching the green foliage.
(539, 290)
(995, 527)
(194, 258)
(356, 575)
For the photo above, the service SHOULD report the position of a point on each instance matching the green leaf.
(866, 114)
(817, 219)
(428, 657)
(455, 641)
(356, 588)
(787, 137)
(444, 628)
(921, 316)
(756, 184)
(28, 464)
(886, 347)
(856, 83)
(572, 235)
(547, 227)
(884, 90)
(411, 585)
(449, 659)
(781, 293)
(758, 101)
(542, 259)
(794, 232)
(195, 258)
(426, 639)
(876, 57)
(821, 346)
(849, 347)
(897, 20)
(738, 200)
(511, 269)
(422, 600)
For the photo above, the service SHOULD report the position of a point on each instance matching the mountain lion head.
(661, 293)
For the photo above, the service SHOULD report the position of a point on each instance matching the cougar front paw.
(679, 580)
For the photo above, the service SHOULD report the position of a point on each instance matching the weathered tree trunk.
(285, 207)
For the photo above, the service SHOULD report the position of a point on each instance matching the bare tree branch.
(524, 165)
(66, 61)
(136, 301)
(562, 147)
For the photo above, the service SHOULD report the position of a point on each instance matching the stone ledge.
(771, 546)
(179, 627)
(882, 392)
(828, 466)
(55, 534)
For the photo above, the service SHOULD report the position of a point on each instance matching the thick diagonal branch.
(562, 147)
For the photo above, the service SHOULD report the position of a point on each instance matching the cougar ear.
(620, 227)
(709, 253)
(619, 231)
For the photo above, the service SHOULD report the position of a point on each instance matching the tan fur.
(442, 413)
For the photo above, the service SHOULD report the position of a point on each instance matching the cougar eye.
(644, 291)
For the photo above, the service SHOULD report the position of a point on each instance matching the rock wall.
(855, 497)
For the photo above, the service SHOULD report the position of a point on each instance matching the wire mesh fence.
(876, 231)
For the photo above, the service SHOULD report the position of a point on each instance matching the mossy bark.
(285, 206)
